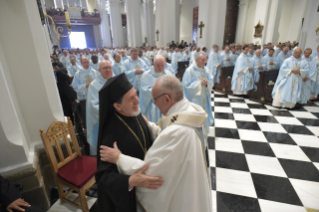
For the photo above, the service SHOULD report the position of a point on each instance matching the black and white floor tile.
(263, 158)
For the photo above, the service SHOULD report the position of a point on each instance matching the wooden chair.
(74, 171)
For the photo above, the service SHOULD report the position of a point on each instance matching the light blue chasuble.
(80, 79)
(118, 68)
(269, 59)
(255, 63)
(281, 58)
(223, 57)
(73, 69)
(148, 108)
(169, 67)
(213, 61)
(197, 93)
(247, 83)
(92, 113)
(289, 84)
(186, 57)
(175, 58)
(233, 58)
(130, 66)
(95, 66)
(309, 86)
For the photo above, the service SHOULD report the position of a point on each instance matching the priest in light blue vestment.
(146, 61)
(197, 85)
(134, 68)
(315, 53)
(73, 67)
(83, 78)
(225, 58)
(243, 78)
(271, 60)
(214, 64)
(65, 58)
(258, 64)
(186, 56)
(250, 53)
(176, 57)
(316, 86)
(169, 67)
(282, 56)
(148, 79)
(310, 80)
(93, 103)
(118, 65)
(233, 56)
(287, 90)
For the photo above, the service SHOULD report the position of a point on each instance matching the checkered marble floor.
(263, 158)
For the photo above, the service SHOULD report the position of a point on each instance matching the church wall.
(143, 23)
(89, 34)
(91, 5)
(249, 26)
(97, 36)
(286, 14)
(49, 3)
(186, 18)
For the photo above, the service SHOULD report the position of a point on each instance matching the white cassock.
(177, 155)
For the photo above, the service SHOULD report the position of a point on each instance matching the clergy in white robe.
(193, 55)
(73, 67)
(146, 61)
(250, 53)
(148, 79)
(270, 60)
(214, 64)
(134, 68)
(243, 78)
(315, 53)
(233, 56)
(117, 65)
(311, 78)
(92, 104)
(162, 51)
(176, 57)
(316, 85)
(282, 56)
(197, 84)
(87, 53)
(65, 58)
(186, 55)
(169, 67)
(287, 90)
(94, 63)
(225, 58)
(258, 65)
(177, 155)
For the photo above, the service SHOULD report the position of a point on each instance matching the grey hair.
(158, 57)
(215, 45)
(308, 49)
(286, 48)
(171, 85)
(198, 54)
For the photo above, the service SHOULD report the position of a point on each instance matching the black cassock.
(113, 187)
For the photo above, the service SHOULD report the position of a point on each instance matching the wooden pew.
(181, 68)
(264, 87)
(225, 80)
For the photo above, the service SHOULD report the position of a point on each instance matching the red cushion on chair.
(79, 171)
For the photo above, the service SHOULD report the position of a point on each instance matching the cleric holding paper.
(148, 79)
(198, 83)
(287, 90)
(243, 78)
(121, 121)
(92, 104)
(176, 155)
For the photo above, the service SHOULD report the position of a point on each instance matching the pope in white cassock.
(148, 79)
(225, 58)
(177, 155)
(198, 84)
(287, 90)
(117, 65)
(92, 104)
(214, 64)
(270, 60)
(134, 68)
(243, 78)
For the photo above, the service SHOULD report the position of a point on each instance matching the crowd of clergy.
(297, 81)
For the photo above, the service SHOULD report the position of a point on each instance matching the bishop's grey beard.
(134, 113)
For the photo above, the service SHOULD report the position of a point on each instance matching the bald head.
(297, 53)
(159, 63)
(105, 69)
(258, 52)
(85, 62)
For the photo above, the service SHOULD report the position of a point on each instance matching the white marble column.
(105, 25)
(241, 21)
(116, 23)
(149, 19)
(296, 20)
(134, 25)
(29, 99)
(271, 28)
(261, 14)
(213, 31)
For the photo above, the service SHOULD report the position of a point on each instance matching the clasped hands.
(204, 82)
(295, 71)
(139, 71)
(139, 178)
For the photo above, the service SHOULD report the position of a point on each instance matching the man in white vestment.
(282, 56)
(148, 79)
(271, 60)
(92, 104)
(117, 65)
(73, 67)
(250, 53)
(287, 90)
(65, 59)
(315, 53)
(176, 154)
(214, 64)
(311, 78)
(225, 58)
(258, 64)
(186, 55)
(233, 56)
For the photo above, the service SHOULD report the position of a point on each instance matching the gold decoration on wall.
(59, 29)
(258, 30)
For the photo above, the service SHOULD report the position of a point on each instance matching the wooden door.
(231, 21)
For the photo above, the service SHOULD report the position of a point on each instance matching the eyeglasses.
(154, 99)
